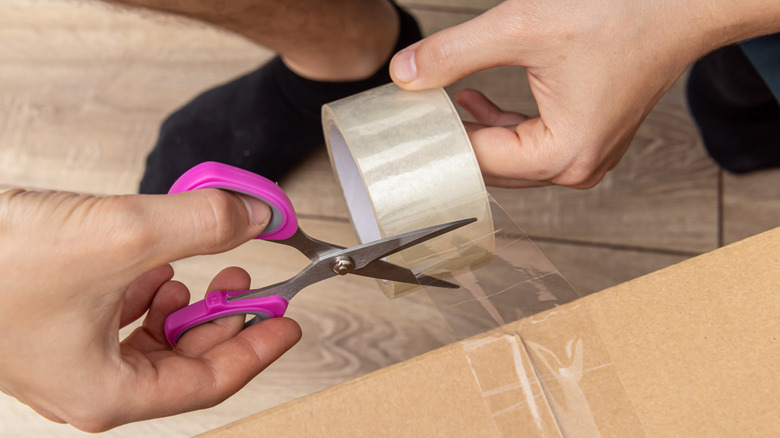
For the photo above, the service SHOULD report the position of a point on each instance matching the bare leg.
(327, 40)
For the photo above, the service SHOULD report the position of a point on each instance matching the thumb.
(142, 232)
(198, 222)
(451, 54)
(84, 240)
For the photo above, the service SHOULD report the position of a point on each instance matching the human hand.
(595, 67)
(76, 268)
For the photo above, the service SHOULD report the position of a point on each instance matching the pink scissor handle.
(283, 225)
(213, 175)
(216, 305)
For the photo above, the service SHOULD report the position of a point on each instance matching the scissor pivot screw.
(342, 265)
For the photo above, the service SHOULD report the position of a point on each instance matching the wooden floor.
(84, 86)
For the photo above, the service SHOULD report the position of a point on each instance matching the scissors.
(327, 260)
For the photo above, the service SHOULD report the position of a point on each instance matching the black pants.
(734, 107)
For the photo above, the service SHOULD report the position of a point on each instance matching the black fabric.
(736, 113)
(266, 121)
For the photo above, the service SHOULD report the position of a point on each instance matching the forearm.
(322, 39)
(724, 22)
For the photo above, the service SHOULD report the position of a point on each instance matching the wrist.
(729, 22)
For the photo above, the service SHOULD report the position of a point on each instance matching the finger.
(140, 293)
(522, 153)
(453, 53)
(150, 337)
(171, 297)
(513, 183)
(204, 222)
(229, 279)
(486, 112)
(251, 351)
(159, 229)
(200, 339)
(530, 156)
(181, 384)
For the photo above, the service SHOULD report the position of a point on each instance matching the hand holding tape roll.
(404, 161)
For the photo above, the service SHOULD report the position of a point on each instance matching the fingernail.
(259, 211)
(404, 67)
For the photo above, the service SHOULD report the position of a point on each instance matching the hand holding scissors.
(327, 260)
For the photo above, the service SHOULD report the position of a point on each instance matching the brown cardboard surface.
(691, 350)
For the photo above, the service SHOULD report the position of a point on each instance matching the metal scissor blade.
(309, 246)
(362, 256)
(388, 271)
(369, 252)
(427, 280)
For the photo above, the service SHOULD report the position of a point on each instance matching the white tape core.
(358, 201)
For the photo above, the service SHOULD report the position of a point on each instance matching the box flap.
(689, 350)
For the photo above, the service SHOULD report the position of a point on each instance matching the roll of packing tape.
(404, 161)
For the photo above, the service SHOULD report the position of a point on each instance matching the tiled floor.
(84, 86)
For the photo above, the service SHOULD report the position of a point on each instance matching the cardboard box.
(691, 350)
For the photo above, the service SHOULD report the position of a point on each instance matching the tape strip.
(518, 281)
(551, 376)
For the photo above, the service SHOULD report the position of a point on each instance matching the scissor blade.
(309, 246)
(369, 252)
(427, 280)
(388, 271)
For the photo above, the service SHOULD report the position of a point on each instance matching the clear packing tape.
(404, 162)
(550, 375)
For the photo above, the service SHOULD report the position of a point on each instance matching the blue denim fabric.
(764, 53)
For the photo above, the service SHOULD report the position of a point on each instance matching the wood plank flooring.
(84, 86)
